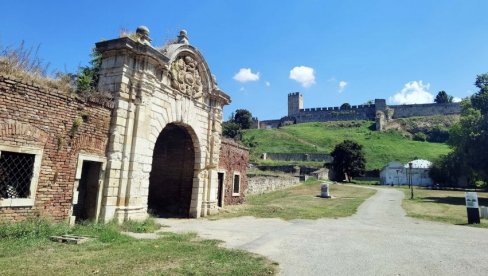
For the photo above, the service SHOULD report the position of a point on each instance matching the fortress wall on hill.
(357, 112)
(362, 112)
(417, 110)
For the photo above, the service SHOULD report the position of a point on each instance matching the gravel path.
(378, 240)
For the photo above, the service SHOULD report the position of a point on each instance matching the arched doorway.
(171, 177)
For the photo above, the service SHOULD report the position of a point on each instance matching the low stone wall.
(297, 170)
(298, 157)
(264, 184)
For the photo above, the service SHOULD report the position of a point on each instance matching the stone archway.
(172, 173)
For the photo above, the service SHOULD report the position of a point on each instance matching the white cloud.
(245, 75)
(304, 75)
(456, 100)
(267, 83)
(342, 86)
(242, 89)
(414, 92)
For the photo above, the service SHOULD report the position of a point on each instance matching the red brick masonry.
(234, 158)
(43, 118)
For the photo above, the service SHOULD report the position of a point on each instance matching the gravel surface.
(378, 240)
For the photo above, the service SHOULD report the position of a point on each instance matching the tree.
(443, 97)
(480, 99)
(243, 118)
(230, 129)
(449, 170)
(87, 77)
(348, 160)
(345, 106)
(469, 137)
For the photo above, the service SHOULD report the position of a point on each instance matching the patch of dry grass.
(301, 202)
(25, 65)
(441, 206)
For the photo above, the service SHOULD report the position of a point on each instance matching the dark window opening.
(16, 171)
(237, 183)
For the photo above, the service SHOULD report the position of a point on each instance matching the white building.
(396, 173)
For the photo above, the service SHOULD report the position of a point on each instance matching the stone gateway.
(165, 136)
(152, 148)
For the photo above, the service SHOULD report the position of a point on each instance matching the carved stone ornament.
(185, 77)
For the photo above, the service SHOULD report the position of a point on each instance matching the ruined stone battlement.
(378, 111)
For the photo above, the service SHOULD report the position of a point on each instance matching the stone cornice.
(126, 43)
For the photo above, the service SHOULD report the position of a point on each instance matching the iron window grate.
(16, 170)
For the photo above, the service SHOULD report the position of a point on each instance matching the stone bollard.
(324, 190)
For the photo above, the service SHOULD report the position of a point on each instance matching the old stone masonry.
(153, 148)
(166, 128)
(378, 111)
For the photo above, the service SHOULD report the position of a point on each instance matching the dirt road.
(378, 240)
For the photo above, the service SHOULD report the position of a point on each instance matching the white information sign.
(471, 200)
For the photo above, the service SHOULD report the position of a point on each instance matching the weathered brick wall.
(233, 158)
(43, 118)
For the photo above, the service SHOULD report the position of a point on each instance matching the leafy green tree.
(448, 170)
(88, 76)
(230, 129)
(443, 97)
(348, 160)
(243, 118)
(480, 99)
(345, 106)
(238, 120)
(469, 137)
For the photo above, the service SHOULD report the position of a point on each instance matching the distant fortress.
(379, 111)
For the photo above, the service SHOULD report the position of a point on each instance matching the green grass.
(442, 206)
(379, 147)
(301, 202)
(26, 250)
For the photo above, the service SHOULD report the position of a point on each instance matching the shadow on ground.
(453, 200)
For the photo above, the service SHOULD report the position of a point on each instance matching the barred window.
(16, 171)
(237, 184)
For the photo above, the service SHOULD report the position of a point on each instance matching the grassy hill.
(380, 147)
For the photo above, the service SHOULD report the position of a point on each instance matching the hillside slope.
(380, 147)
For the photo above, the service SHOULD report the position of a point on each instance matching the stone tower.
(295, 103)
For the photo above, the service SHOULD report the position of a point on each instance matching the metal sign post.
(472, 208)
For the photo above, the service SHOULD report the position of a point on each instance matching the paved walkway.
(377, 240)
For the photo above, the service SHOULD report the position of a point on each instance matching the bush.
(438, 135)
(420, 136)
(147, 226)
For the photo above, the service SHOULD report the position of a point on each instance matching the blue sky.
(331, 51)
